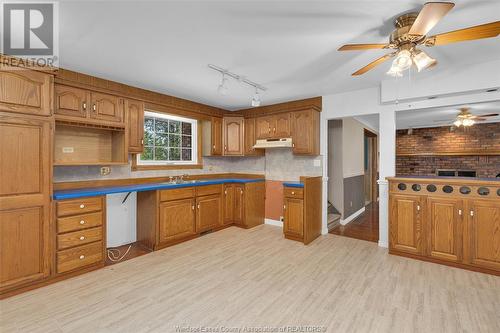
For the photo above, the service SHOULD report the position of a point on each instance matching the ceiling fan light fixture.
(457, 123)
(468, 122)
(403, 60)
(394, 71)
(422, 60)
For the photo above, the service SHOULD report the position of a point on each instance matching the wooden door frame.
(374, 163)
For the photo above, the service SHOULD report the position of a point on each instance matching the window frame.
(195, 161)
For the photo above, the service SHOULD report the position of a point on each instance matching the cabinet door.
(233, 136)
(177, 220)
(228, 203)
(305, 132)
(134, 113)
(71, 101)
(209, 212)
(264, 127)
(25, 91)
(444, 228)
(216, 136)
(239, 204)
(250, 139)
(107, 108)
(294, 217)
(25, 153)
(484, 233)
(405, 223)
(282, 125)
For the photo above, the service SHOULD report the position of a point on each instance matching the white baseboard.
(324, 231)
(274, 222)
(352, 216)
(383, 244)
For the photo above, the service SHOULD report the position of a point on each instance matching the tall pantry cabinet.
(26, 130)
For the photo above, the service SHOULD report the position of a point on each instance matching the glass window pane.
(174, 126)
(175, 154)
(161, 126)
(174, 141)
(147, 154)
(148, 137)
(149, 124)
(161, 140)
(186, 141)
(186, 128)
(161, 154)
(186, 154)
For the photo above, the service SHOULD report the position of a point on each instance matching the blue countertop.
(95, 191)
(293, 184)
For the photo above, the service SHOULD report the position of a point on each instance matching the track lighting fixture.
(223, 89)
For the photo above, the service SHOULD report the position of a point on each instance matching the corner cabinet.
(448, 221)
(134, 115)
(250, 139)
(25, 189)
(25, 91)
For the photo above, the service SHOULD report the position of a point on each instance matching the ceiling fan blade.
(373, 64)
(479, 119)
(487, 30)
(443, 121)
(429, 16)
(354, 47)
(487, 115)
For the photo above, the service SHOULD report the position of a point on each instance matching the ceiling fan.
(466, 119)
(411, 31)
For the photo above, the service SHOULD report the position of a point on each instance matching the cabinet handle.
(142, 141)
(214, 147)
(94, 107)
(198, 206)
(293, 145)
(225, 148)
(418, 207)
(192, 207)
(460, 212)
(241, 191)
(82, 206)
(84, 106)
(284, 206)
(471, 213)
(82, 237)
(82, 257)
(274, 129)
(82, 222)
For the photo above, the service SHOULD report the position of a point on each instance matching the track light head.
(222, 88)
(256, 98)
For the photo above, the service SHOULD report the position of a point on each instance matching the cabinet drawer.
(79, 222)
(78, 206)
(78, 257)
(294, 192)
(177, 193)
(209, 189)
(81, 237)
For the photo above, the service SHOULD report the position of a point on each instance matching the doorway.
(371, 166)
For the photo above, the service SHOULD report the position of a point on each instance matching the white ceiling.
(289, 47)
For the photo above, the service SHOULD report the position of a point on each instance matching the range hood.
(274, 143)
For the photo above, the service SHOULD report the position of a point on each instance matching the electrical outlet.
(282, 219)
(105, 171)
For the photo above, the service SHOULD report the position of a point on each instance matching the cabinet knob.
(82, 237)
(94, 107)
(418, 207)
(84, 105)
(284, 206)
(471, 213)
(293, 192)
(82, 206)
(198, 206)
(82, 257)
(82, 222)
(192, 207)
(460, 212)
(225, 192)
(142, 141)
(214, 147)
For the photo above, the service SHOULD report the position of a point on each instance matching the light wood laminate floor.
(254, 277)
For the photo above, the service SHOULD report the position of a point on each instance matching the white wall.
(453, 88)
(353, 147)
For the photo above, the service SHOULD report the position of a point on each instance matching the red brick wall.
(480, 137)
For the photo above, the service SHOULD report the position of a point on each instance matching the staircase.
(333, 217)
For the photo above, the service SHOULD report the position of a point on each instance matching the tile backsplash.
(277, 164)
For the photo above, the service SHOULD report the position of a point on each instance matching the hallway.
(364, 227)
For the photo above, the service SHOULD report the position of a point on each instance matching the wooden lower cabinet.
(405, 221)
(484, 234)
(177, 220)
(293, 224)
(209, 212)
(457, 227)
(239, 204)
(228, 203)
(444, 228)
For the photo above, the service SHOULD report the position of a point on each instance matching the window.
(169, 140)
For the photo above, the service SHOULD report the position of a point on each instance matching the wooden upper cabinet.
(106, 107)
(25, 180)
(26, 91)
(281, 127)
(293, 224)
(177, 220)
(405, 220)
(484, 233)
(305, 132)
(71, 101)
(208, 212)
(444, 228)
(250, 138)
(134, 114)
(216, 136)
(233, 136)
(264, 127)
